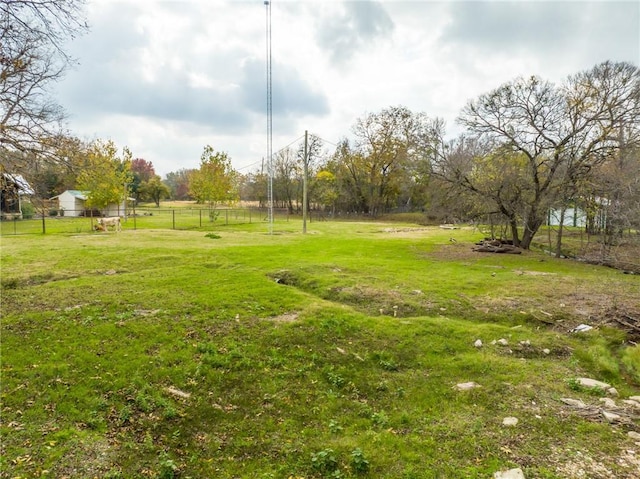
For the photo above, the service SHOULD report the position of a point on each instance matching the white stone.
(478, 343)
(510, 421)
(467, 386)
(510, 474)
(634, 435)
(635, 398)
(574, 402)
(525, 343)
(503, 342)
(592, 383)
(546, 351)
(610, 417)
(609, 403)
(177, 392)
(630, 402)
(581, 328)
(612, 392)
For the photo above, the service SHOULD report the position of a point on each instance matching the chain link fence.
(84, 221)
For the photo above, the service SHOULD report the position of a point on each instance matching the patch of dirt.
(406, 232)
(284, 318)
(89, 459)
(454, 252)
(532, 273)
(285, 277)
(583, 465)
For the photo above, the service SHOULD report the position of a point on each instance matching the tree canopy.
(105, 175)
(215, 181)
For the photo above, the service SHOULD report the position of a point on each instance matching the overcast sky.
(166, 78)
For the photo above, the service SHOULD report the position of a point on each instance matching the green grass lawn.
(163, 353)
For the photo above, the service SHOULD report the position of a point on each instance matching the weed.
(335, 379)
(212, 236)
(168, 467)
(125, 415)
(324, 461)
(380, 418)
(389, 365)
(359, 463)
(382, 386)
(386, 361)
(335, 427)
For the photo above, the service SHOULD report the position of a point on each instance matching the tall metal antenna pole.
(267, 4)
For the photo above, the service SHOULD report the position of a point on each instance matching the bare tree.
(561, 133)
(32, 57)
(388, 144)
(287, 176)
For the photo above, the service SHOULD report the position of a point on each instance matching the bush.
(28, 211)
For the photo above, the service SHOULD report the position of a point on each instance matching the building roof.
(24, 188)
(81, 195)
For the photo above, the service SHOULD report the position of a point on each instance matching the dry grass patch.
(284, 318)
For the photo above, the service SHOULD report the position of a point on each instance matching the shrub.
(28, 211)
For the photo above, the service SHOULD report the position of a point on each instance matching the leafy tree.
(178, 183)
(254, 187)
(325, 191)
(390, 148)
(216, 180)
(141, 171)
(32, 57)
(154, 189)
(105, 175)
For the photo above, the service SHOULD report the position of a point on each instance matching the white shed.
(73, 203)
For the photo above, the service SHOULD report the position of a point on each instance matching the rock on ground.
(467, 386)
(592, 383)
(510, 421)
(510, 474)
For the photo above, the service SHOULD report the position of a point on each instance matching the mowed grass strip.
(332, 354)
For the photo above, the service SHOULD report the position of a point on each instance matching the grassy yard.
(235, 353)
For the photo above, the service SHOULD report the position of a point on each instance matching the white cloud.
(166, 78)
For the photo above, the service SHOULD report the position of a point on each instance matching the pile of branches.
(490, 245)
(628, 321)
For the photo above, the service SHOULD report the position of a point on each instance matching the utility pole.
(304, 182)
(267, 4)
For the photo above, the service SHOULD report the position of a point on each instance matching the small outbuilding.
(74, 203)
(14, 189)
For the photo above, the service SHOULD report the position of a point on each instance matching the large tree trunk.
(531, 227)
